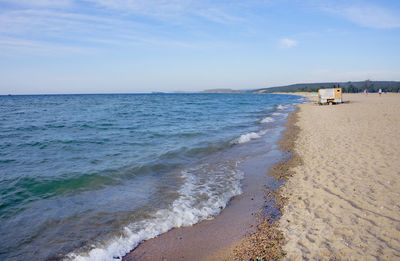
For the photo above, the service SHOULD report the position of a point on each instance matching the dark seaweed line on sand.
(267, 241)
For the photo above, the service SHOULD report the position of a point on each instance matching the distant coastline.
(223, 91)
(348, 87)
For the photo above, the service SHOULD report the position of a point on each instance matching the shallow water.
(90, 176)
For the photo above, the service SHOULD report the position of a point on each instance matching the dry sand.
(344, 199)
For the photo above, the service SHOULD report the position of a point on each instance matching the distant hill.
(222, 91)
(372, 86)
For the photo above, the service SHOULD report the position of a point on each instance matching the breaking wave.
(205, 192)
(249, 136)
(282, 107)
(267, 120)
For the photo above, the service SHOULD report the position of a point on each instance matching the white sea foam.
(267, 120)
(282, 107)
(214, 185)
(250, 136)
(277, 113)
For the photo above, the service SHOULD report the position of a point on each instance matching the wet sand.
(266, 241)
(344, 199)
(217, 238)
(340, 201)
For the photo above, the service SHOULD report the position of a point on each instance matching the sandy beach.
(340, 200)
(343, 200)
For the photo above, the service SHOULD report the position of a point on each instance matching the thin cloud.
(12, 46)
(39, 3)
(287, 43)
(372, 16)
(63, 32)
(153, 8)
(366, 15)
(218, 16)
(173, 11)
(112, 23)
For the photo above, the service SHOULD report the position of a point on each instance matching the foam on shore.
(267, 120)
(214, 184)
(282, 107)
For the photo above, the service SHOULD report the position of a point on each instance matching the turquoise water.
(90, 176)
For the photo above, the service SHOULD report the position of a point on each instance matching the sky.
(133, 46)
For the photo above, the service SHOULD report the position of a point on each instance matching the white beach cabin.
(330, 96)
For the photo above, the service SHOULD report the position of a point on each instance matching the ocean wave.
(215, 185)
(267, 120)
(282, 107)
(277, 113)
(250, 136)
(247, 137)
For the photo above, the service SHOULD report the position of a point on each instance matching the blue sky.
(106, 46)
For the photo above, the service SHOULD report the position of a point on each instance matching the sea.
(89, 177)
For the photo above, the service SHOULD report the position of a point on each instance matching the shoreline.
(217, 239)
(322, 207)
(267, 241)
(350, 214)
(210, 239)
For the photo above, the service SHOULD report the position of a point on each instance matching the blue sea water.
(88, 177)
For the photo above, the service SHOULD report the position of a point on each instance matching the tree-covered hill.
(371, 86)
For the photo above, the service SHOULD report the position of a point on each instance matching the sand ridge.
(344, 200)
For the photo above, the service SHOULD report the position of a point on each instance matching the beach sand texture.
(344, 200)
